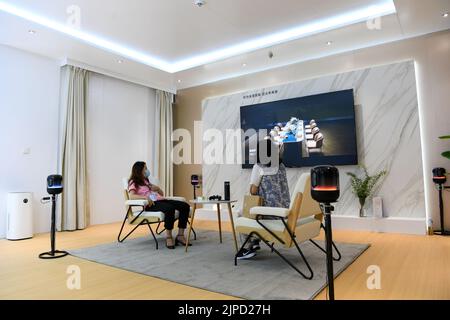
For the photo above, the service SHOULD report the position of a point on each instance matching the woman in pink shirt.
(139, 187)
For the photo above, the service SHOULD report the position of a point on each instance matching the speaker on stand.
(195, 182)
(325, 190)
(54, 188)
(440, 178)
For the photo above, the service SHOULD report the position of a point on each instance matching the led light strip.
(87, 37)
(385, 7)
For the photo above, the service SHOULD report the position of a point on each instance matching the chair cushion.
(273, 225)
(176, 198)
(137, 202)
(269, 211)
(246, 226)
(154, 216)
(150, 214)
(307, 228)
(146, 215)
(311, 144)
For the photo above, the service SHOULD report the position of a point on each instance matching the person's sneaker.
(255, 246)
(246, 254)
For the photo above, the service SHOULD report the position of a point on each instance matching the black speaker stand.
(329, 249)
(53, 254)
(195, 193)
(442, 232)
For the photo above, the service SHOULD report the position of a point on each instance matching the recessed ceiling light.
(329, 43)
(445, 15)
(31, 31)
(179, 81)
(244, 65)
(120, 61)
(362, 14)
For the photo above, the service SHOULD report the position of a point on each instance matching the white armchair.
(314, 131)
(137, 216)
(288, 226)
(310, 128)
(315, 146)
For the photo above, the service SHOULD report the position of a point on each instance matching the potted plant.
(363, 187)
(446, 154)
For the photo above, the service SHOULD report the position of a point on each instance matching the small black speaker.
(439, 175)
(227, 190)
(195, 180)
(55, 184)
(325, 184)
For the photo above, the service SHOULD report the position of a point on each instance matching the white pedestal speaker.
(377, 205)
(19, 221)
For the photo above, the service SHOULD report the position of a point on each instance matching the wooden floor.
(412, 267)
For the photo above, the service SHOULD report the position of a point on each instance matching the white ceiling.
(173, 30)
(176, 29)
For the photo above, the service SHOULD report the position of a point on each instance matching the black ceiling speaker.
(325, 184)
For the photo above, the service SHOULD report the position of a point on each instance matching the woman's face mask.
(147, 173)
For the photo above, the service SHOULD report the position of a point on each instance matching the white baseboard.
(384, 225)
(415, 226)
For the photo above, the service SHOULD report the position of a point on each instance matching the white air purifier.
(377, 204)
(19, 221)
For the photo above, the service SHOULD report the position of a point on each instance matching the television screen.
(315, 130)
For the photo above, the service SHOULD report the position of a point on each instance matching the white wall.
(433, 74)
(29, 96)
(387, 128)
(432, 56)
(120, 123)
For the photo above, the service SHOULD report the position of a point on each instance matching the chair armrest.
(137, 203)
(269, 211)
(176, 198)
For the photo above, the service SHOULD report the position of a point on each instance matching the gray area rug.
(210, 265)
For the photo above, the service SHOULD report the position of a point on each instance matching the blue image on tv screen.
(314, 130)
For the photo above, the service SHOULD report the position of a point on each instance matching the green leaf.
(445, 137)
(446, 154)
(363, 187)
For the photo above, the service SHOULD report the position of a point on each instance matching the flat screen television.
(314, 130)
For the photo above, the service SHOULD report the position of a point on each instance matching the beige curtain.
(164, 102)
(74, 213)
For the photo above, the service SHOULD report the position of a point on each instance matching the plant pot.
(362, 202)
